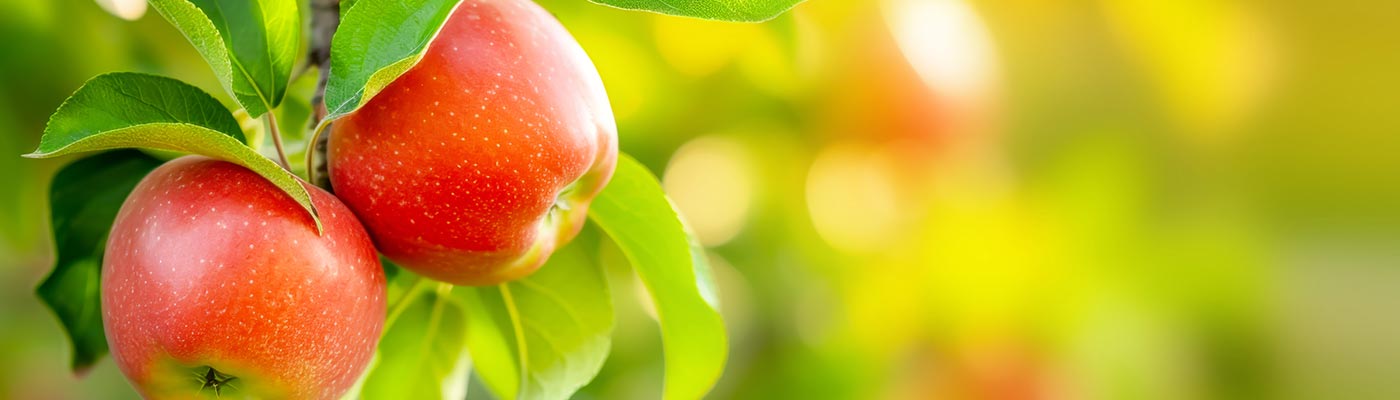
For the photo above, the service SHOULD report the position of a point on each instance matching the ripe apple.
(475, 164)
(215, 283)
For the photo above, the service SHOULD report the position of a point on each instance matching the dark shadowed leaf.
(83, 201)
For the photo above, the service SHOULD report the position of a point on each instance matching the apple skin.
(473, 166)
(209, 265)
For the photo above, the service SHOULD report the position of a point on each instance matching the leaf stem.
(435, 317)
(518, 328)
(402, 304)
(276, 133)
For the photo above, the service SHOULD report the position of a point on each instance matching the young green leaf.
(84, 200)
(252, 45)
(122, 110)
(545, 336)
(635, 212)
(377, 41)
(423, 354)
(723, 10)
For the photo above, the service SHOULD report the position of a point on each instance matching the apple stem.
(277, 140)
(311, 150)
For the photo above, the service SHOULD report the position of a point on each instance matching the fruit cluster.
(470, 168)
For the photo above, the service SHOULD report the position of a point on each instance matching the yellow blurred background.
(910, 199)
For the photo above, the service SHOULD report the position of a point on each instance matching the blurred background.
(907, 199)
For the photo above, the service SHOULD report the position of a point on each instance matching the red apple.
(475, 164)
(215, 283)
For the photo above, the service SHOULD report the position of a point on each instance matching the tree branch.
(325, 17)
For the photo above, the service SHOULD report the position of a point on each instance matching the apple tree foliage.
(541, 337)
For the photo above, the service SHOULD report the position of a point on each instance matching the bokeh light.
(947, 44)
(709, 179)
(130, 10)
(853, 198)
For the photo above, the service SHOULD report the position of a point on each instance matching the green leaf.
(377, 41)
(125, 99)
(83, 201)
(723, 10)
(545, 336)
(123, 110)
(252, 45)
(422, 355)
(635, 212)
(345, 6)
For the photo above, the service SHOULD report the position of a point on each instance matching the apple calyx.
(213, 379)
